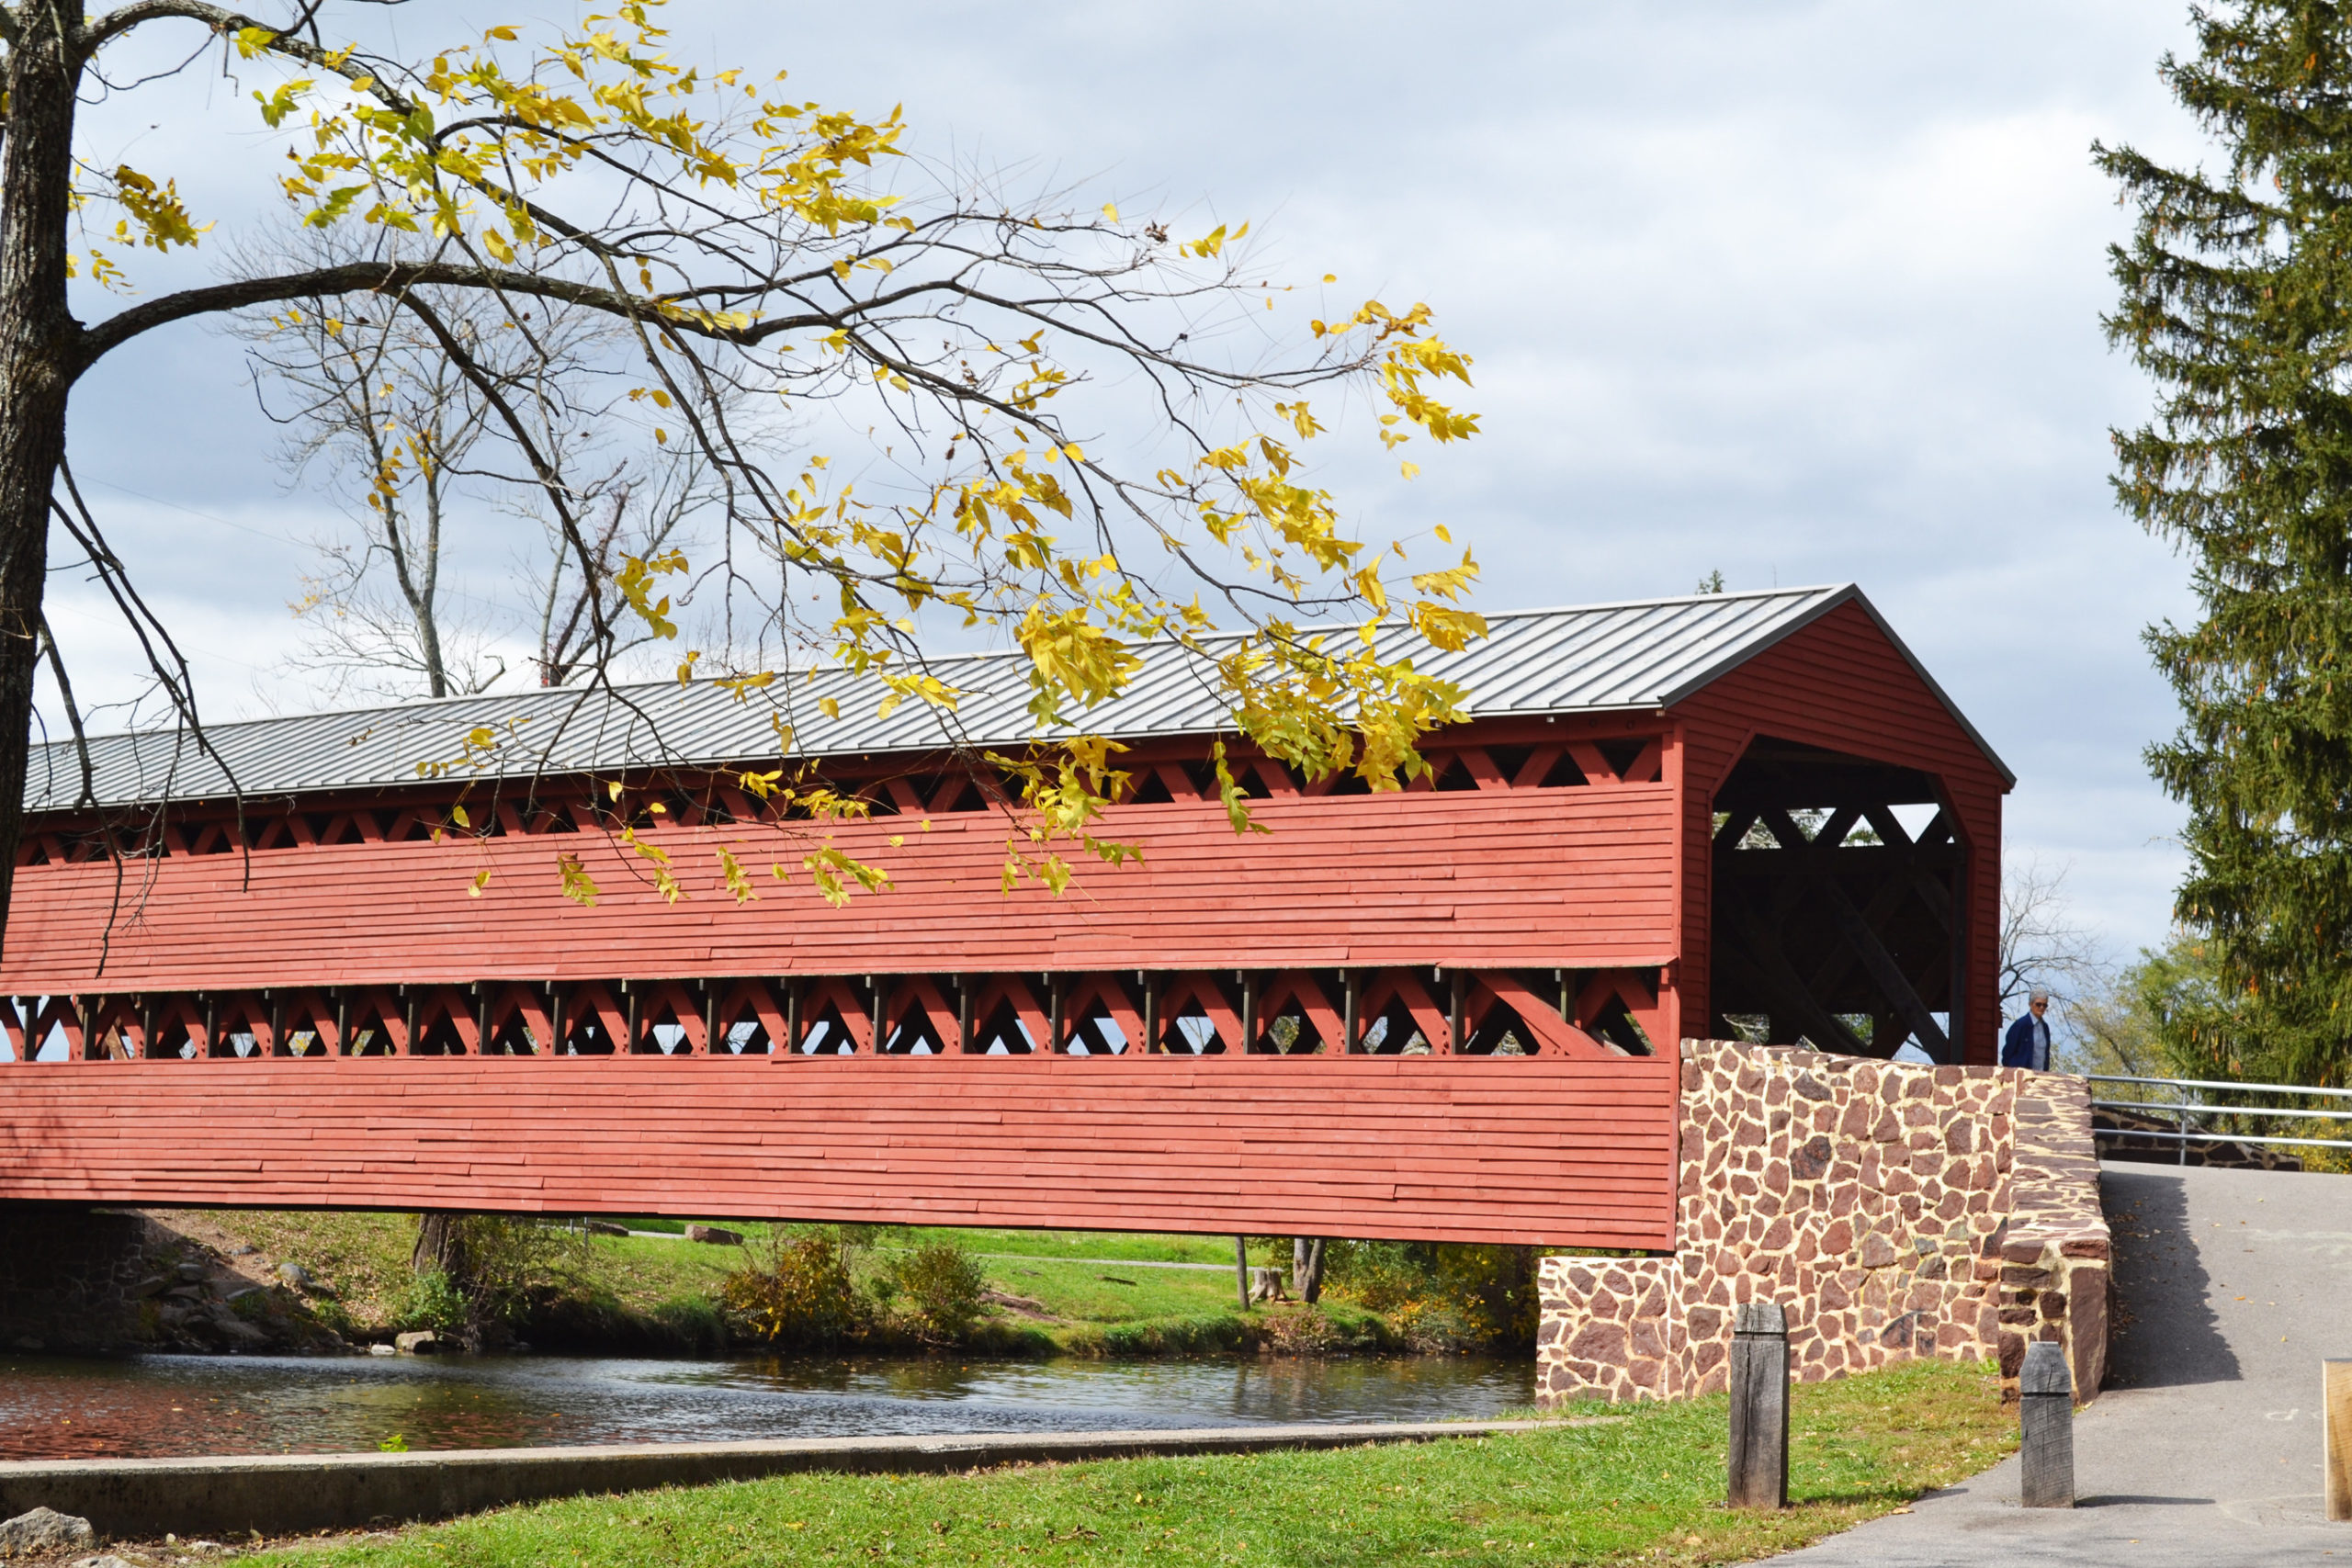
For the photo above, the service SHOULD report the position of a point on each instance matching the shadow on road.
(2165, 1333)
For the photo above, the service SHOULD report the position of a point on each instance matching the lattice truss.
(1834, 922)
(1593, 1014)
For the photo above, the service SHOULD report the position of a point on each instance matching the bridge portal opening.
(1839, 905)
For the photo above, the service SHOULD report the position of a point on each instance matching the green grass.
(1112, 1245)
(1648, 1487)
(1095, 1290)
(641, 1273)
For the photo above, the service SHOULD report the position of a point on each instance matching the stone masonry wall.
(2056, 1253)
(1874, 1200)
(68, 1276)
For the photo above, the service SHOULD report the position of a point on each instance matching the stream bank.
(248, 1282)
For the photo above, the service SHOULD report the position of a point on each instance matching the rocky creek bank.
(83, 1280)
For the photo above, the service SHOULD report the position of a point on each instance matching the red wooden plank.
(1361, 1145)
(1501, 876)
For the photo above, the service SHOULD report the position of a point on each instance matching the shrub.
(497, 1268)
(1304, 1332)
(433, 1301)
(800, 1294)
(1441, 1296)
(941, 1289)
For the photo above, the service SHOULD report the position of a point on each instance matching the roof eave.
(1848, 593)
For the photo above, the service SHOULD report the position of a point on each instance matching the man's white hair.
(2038, 994)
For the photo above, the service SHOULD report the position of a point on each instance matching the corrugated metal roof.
(1639, 655)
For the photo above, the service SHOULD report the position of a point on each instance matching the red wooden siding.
(1840, 684)
(1551, 1151)
(1491, 878)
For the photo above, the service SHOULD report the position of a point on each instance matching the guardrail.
(2182, 1110)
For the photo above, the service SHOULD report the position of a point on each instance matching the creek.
(157, 1406)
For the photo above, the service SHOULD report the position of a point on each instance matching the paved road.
(2205, 1449)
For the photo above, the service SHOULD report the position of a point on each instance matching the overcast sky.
(1800, 293)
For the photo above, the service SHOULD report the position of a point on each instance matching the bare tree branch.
(2043, 944)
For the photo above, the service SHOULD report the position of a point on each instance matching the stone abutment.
(1894, 1212)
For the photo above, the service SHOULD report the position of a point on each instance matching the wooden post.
(881, 1013)
(1242, 1270)
(1453, 1041)
(482, 996)
(628, 1046)
(791, 1016)
(2335, 1404)
(2046, 1411)
(1150, 984)
(1760, 1406)
(712, 1045)
(1351, 1001)
(555, 1020)
(1053, 1042)
(1248, 1010)
(962, 1014)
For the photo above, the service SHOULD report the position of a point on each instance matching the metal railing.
(2189, 1102)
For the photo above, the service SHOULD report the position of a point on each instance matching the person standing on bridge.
(2027, 1042)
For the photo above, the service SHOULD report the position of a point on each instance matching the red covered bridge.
(1448, 1013)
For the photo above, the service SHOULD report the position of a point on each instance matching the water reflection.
(161, 1405)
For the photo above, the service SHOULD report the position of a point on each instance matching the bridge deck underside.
(1547, 1150)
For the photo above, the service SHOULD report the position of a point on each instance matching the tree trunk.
(441, 1249)
(39, 350)
(1306, 1267)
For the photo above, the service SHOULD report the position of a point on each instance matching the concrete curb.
(285, 1494)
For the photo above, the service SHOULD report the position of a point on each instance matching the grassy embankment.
(1648, 1487)
(1065, 1291)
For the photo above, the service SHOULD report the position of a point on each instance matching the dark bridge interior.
(1833, 924)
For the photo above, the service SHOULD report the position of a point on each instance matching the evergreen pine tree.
(2237, 300)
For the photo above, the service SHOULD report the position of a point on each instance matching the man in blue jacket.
(2028, 1042)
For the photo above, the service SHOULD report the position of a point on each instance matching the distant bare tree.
(2043, 944)
(421, 452)
(633, 510)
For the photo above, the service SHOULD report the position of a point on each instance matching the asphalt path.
(2205, 1449)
